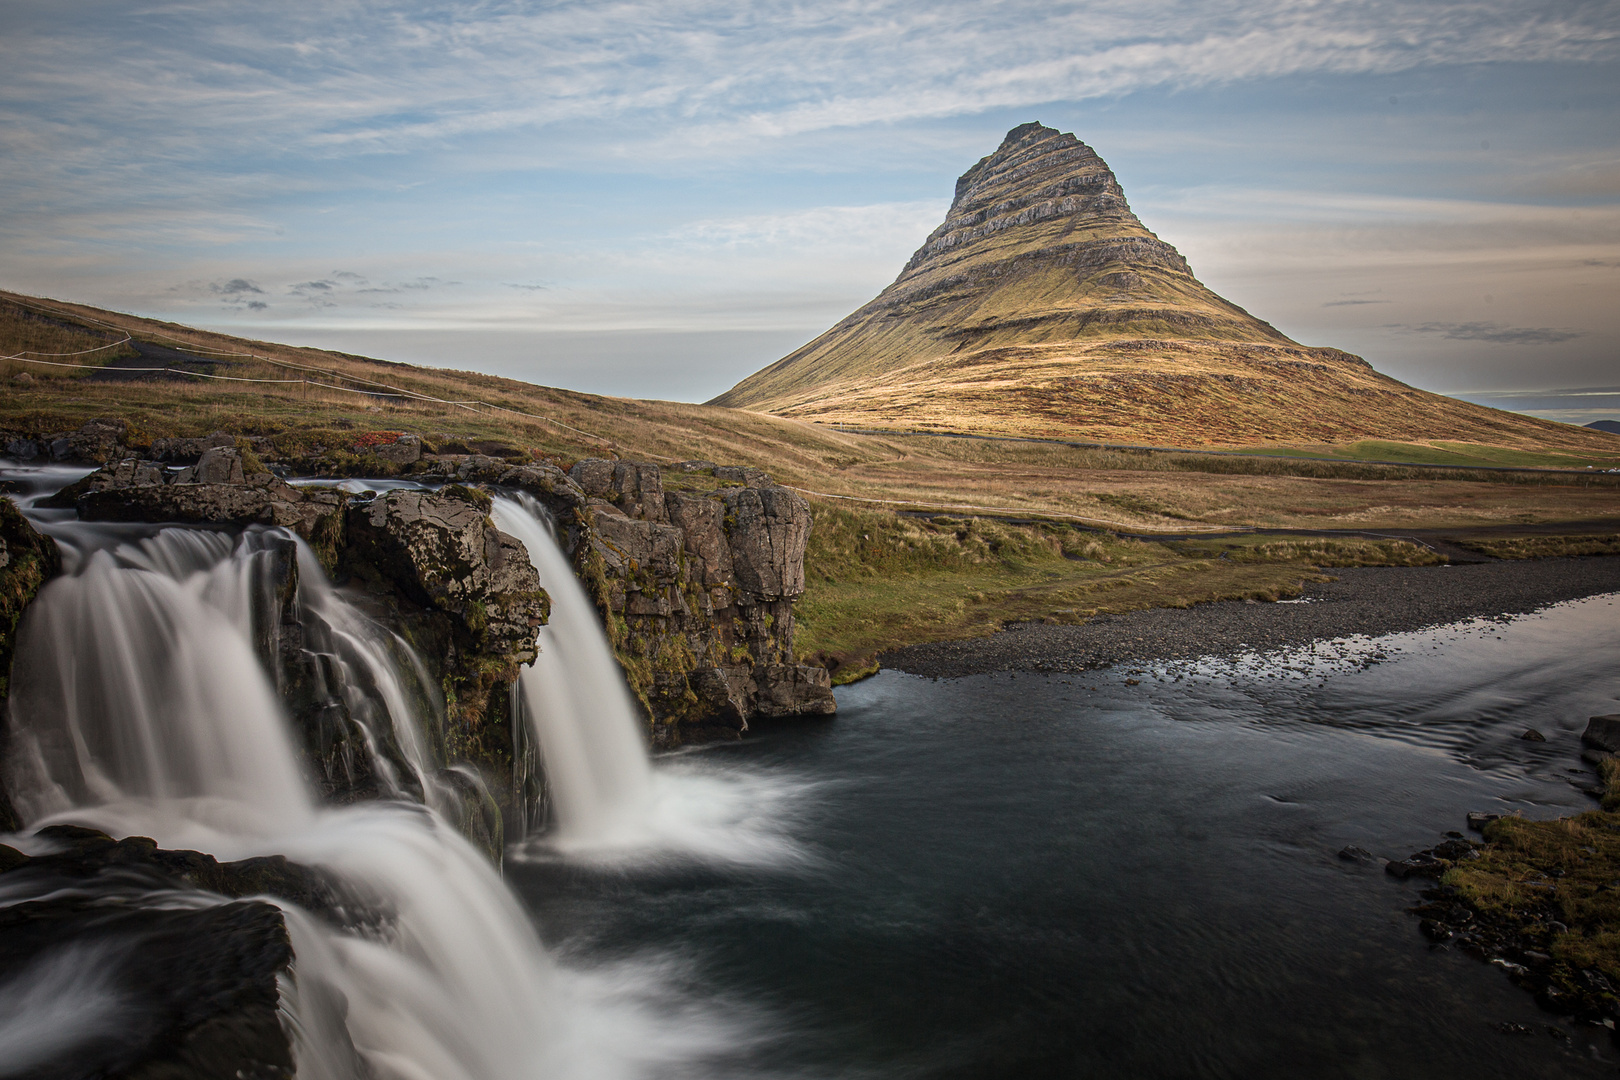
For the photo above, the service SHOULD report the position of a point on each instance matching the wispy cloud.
(1494, 333)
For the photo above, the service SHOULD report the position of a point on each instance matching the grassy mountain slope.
(1043, 307)
(915, 538)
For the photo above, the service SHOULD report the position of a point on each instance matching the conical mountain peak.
(1041, 304)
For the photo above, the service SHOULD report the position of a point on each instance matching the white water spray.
(587, 725)
(608, 801)
(145, 711)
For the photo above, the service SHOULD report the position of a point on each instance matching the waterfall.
(145, 703)
(140, 707)
(606, 799)
(134, 692)
(583, 717)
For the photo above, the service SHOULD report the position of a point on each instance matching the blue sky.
(656, 199)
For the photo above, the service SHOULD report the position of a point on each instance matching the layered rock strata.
(696, 589)
(1042, 306)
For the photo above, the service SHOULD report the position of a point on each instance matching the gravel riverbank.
(1369, 600)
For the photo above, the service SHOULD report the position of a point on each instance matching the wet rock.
(1421, 864)
(218, 465)
(1532, 735)
(1356, 854)
(27, 561)
(441, 551)
(1453, 850)
(24, 449)
(115, 475)
(189, 450)
(1478, 819)
(262, 500)
(472, 809)
(83, 855)
(96, 442)
(793, 690)
(197, 984)
(1603, 732)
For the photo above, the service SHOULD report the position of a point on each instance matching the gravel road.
(1370, 600)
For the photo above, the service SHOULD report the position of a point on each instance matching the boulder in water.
(1603, 732)
(185, 991)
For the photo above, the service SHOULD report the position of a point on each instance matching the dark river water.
(1029, 876)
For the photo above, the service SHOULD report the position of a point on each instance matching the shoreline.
(1369, 601)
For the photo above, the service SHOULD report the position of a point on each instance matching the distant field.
(1441, 452)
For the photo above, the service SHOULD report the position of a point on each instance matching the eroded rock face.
(696, 589)
(442, 551)
(27, 561)
(768, 529)
(463, 594)
(258, 500)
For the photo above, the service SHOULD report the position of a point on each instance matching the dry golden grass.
(1148, 492)
(1544, 547)
(36, 334)
(1194, 394)
(1043, 307)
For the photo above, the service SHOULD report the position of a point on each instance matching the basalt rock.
(696, 589)
(199, 999)
(97, 441)
(313, 513)
(27, 561)
(441, 551)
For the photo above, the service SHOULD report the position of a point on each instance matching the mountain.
(1043, 306)
(1610, 426)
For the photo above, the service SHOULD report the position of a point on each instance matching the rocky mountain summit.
(1043, 306)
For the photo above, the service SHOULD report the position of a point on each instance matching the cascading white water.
(584, 718)
(140, 707)
(145, 712)
(130, 689)
(606, 798)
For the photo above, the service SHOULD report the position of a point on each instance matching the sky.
(655, 199)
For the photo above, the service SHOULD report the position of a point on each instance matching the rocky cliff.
(695, 588)
(1043, 306)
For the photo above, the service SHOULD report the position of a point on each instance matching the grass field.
(876, 580)
(1442, 452)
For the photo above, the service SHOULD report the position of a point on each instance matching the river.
(1019, 875)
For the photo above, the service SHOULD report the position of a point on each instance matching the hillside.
(1042, 306)
(879, 572)
(306, 399)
